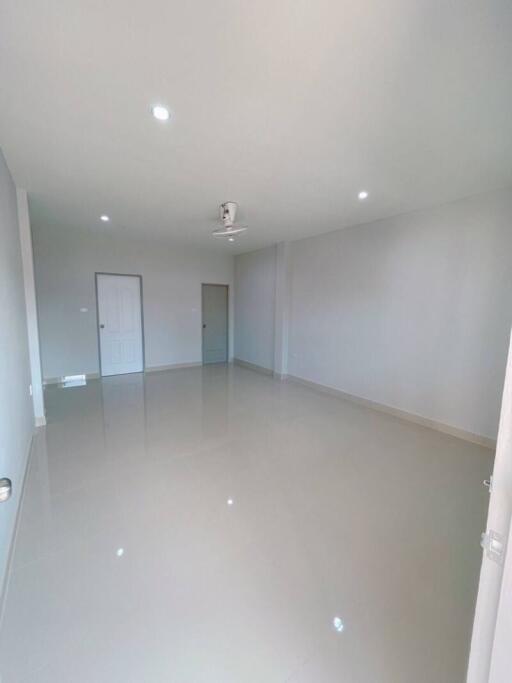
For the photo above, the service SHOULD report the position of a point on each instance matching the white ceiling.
(289, 107)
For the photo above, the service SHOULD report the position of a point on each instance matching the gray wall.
(65, 263)
(413, 312)
(16, 413)
(255, 285)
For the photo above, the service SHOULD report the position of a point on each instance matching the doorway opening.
(120, 323)
(215, 323)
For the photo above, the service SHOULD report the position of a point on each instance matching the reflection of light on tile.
(120, 552)
(338, 624)
(230, 501)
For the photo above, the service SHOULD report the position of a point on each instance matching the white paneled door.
(215, 323)
(120, 324)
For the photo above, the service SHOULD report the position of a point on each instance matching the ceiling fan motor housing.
(228, 213)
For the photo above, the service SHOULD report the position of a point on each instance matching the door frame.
(141, 316)
(228, 295)
(490, 636)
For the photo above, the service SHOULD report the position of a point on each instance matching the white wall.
(65, 263)
(413, 312)
(16, 413)
(255, 286)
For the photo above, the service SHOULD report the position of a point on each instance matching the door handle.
(204, 326)
(102, 326)
(5, 489)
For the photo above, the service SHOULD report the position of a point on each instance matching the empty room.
(256, 306)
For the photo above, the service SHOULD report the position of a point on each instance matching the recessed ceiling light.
(104, 218)
(338, 624)
(231, 239)
(230, 501)
(363, 194)
(120, 552)
(160, 113)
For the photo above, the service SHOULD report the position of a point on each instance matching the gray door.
(215, 323)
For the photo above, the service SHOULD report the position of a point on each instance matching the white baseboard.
(172, 366)
(151, 368)
(253, 366)
(397, 412)
(58, 380)
(40, 421)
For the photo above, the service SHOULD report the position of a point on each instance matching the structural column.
(282, 309)
(31, 307)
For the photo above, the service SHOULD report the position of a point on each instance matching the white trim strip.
(172, 366)
(253, 366)
(397, 412)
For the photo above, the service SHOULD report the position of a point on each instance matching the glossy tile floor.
(208, 525)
